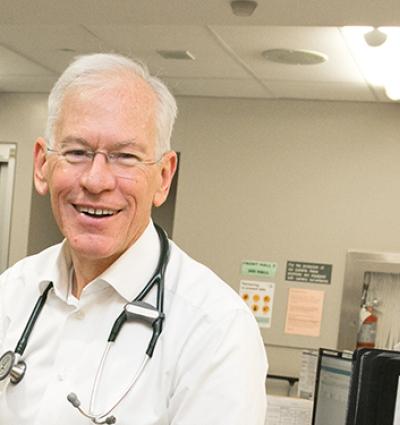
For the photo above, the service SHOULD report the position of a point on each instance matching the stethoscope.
(13, 366)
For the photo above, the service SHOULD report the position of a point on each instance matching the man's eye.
(126, 157)
(75, 154)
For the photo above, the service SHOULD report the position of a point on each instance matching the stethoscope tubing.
(23, 341)
(156, 280)
(12, 364)
(97, 383)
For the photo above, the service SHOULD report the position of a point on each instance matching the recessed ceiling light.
(294, 57)
(176, 54)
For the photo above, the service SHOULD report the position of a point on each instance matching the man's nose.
(99, 176)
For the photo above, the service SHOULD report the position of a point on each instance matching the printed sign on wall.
(308, 272)
(304, 312)
(259, 296)
(258, 268)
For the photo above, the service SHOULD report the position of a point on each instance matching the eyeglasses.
(123, 164)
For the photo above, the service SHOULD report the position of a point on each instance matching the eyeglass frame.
(89, 155)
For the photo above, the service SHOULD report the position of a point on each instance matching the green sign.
(259, 268)
(300, 271)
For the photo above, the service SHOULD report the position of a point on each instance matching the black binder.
(373, 387)
(388, 393)
(368, 393)
(353, 391)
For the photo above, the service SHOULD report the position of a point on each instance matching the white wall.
(287, 180)
(264, 180)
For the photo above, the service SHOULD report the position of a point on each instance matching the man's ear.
(40, 167)
(168, 168)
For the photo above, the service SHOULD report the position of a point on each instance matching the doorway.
(7, 171)
(382, 272)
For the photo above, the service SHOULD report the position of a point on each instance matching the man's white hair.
(96, 71)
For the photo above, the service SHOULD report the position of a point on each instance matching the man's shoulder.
(31, 267)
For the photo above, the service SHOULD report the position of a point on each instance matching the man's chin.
(93, 248)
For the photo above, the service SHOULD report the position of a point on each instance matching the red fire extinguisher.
(367, 329)
(368, 319)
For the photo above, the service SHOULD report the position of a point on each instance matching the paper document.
(304, 312)
(288, 411)
(308, 369)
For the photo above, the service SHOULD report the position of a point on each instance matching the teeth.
(97, 211)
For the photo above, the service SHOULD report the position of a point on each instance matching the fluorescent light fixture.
(392, 82)
(393, 90)
(379, 65)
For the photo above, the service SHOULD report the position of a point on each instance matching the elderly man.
(117, 324)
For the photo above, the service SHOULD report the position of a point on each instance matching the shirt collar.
(55, 267)
(127, 275)
(132, 270)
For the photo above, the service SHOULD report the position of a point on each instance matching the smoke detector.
(243, 7)
(375, 38)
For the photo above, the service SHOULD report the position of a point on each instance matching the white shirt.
(208, 367)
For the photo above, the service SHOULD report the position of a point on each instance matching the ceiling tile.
(26, 83)
(321, 90)
(12, 63)
(144, 40)
(213, 87)
(249, 43)
(53, 46)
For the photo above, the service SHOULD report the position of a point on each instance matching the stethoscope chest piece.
(9, 366)
(6, 364)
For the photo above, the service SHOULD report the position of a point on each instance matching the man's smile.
(96, 212)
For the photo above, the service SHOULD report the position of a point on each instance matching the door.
(7, 170)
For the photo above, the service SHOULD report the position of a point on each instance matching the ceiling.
(39, 38)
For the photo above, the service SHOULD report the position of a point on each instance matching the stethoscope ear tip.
(108, 420)
(73, 399)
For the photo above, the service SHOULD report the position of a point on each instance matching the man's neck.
(85, 271)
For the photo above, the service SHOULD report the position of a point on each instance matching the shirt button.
(61, 377)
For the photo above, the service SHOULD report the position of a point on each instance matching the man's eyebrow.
(126, 144)
(130, 143)
(72, 139)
